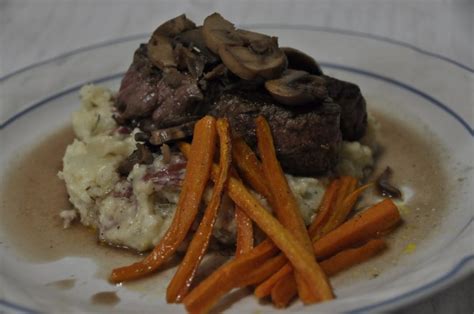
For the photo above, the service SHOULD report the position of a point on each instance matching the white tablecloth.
(36, 30)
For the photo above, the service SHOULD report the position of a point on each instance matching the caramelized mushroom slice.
(160, 46)
(175, 26)
(172, 134)
(299, 60)
(248, 55)
(218, 32)
(296, 88)
(194, 40)
(160, 52)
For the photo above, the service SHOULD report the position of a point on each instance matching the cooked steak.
(306, 138)
(147, 91)
(353, 108)
(184, 73)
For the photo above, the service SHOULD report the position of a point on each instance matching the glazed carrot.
(347, 185)
(195, 181)
(265, 288)
(369, 224)
(325, 208)
(285, 204)
(341, 212)
(181, 282)
(284, 290)
(302, 261)
(250, 167)
(366, 225)
(350, 257)
(225, 278)
(244, 242)
(268, 268)
(324, 220)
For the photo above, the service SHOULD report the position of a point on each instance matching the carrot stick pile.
(294, 259)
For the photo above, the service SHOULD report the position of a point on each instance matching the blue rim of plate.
(432, 284)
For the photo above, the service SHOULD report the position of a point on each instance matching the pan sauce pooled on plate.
(121, 183)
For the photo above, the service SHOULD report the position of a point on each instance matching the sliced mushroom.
(189, 61)
(175, 26)
(296, 88)
(160, 45)
(248, 55)
(172, 134)
(218, 32)
(216, 72)
(194, 40)
(385, 187)
(160, 52)
(299, 60)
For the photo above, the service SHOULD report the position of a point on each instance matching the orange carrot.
(302, 261)
(366, 225)
(265, 270)
(326, 220)
(350, 257)
(369, 224)
(325, 208)
(181, 282)
(265, 288)
(285, 204)
(197, 174)
(347, 185)
(230, 275)
(244, 242)
(340, 214)
(250, 167)
(284, 290)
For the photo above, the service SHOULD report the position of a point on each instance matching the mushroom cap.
(299, 60)
(160, 45)
(248, 55)
(297, 88)
(160, 51)
(175, 26)
(217, 32)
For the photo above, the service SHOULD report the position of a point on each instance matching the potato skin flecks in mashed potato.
(136, 211)
(122, 210)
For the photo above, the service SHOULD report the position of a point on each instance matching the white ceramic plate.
(430, 93)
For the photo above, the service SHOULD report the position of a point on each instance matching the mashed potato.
(136, 211)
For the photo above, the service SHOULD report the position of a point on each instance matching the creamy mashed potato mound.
(136, 211)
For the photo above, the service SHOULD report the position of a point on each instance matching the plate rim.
(433, 284)
(308, 27)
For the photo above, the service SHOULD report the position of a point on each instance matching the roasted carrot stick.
(181, 282)
(325, 208)
(347, 184)
(244, 242)
(284, 290)
(197, 174)
(283, 239)
(285, 204)
(265, 288)
(351, 257)
(366, 225)
(268, 268)
(369, 224)
(345, 207)
(249, 167)
(325, 219)
(230, 275)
